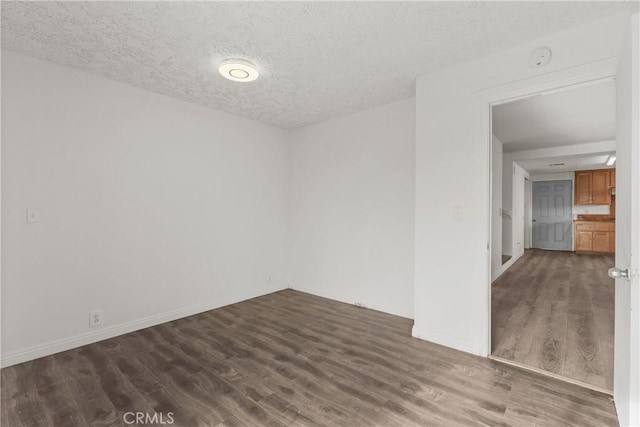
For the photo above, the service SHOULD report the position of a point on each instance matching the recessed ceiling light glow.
(238, 70)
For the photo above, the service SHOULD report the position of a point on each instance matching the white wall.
(352, 207)
(496, 204)
(528, 213)
(513, 199)
(591, 210)
(560, 176)
(518, 212)
(508, 171)
(514, 227)
(452, 122)
(152, 208)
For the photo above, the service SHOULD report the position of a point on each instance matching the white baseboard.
(504, 267)
(444, 340)
(57, 346)
(344, 300)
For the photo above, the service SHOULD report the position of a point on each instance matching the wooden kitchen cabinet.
(595, 237)
(593, 187)
(612, 177)
(583, 185)
(584, 241)
(600, 190)
(600, 241)
(612, 241)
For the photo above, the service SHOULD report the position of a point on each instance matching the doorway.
(624, 69)
(552, 307)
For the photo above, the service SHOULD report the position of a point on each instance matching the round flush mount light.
(238, 70)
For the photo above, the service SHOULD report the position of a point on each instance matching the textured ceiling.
(318, 59)
(587, 114)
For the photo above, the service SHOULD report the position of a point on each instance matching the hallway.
(554, 311)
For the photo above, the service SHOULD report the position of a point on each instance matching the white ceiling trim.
(567, 150)
(575, 157)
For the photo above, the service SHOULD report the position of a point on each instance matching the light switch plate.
(33, 215)
(457, 213)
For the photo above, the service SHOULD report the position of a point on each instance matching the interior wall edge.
(436, 337)
(506, 266)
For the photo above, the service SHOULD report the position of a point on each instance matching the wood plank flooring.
(288, 359)
(553, 311)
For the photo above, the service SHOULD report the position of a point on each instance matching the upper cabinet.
(594, 187)
(612, 177)
(583, 188)
(600, 190)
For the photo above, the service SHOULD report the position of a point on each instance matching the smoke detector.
(540, 57)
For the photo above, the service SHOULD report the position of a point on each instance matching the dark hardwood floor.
(288, 358)
(553, 311)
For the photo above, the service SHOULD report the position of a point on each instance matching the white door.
(626, 385)
(552, 219)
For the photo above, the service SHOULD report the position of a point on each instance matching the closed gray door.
(552, 217)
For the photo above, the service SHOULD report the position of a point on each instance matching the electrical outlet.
(33, 215)
(95, 318)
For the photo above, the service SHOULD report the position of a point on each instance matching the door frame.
(567, 79)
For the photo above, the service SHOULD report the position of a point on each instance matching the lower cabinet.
(595, 237)
(612, 240)
(584, 241)
(600, 241)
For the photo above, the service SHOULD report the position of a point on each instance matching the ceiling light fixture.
(238, 70)
(610, 160)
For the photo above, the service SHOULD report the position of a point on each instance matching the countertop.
(594, 218)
